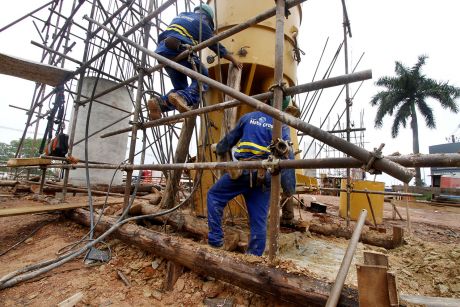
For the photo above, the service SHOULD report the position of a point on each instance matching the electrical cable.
(26, 237)
(13, 278)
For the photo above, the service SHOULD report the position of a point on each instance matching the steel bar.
(382, 164)
(331, 82)
(25, 16)
(137, 110)
(346, 262)
(103, 128)
(276, 132)
(346, 25)
(76, 105)
(141, 23)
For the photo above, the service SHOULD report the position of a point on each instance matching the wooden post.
(373, 258)
(398, 236)
(376, 287)
(172, 183)
(406, 187)
(372, 286)
(173, 272)
(229, 122)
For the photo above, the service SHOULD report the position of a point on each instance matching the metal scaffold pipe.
(346, 262)
(433, 160)
(276, 132)
(227, 33)
(298, 89)
(383, 164)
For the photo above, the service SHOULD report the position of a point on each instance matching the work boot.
(153, 106)
(178, 102)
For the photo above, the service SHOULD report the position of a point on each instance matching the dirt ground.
(428, 264)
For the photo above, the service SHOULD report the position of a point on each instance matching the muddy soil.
(428, 264)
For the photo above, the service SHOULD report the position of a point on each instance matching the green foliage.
(30, 149)
(407, 90)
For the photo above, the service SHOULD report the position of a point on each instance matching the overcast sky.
(386, 31)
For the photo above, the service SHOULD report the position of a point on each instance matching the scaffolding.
(115, 43)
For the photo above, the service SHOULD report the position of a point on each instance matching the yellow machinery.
(359, 201)
(255, 48)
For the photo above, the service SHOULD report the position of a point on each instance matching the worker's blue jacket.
(252, 136)
(186, 27)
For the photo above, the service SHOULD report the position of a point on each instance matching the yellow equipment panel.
(358, 201)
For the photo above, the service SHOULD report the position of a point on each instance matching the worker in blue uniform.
(188, 28)
(252, 137)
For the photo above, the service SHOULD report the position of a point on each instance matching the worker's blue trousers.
(257, 203)
(190, 93)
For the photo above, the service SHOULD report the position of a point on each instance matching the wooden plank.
(42, 208)
(430, 301)
(374, 258)
(392, 290)
(15, 162)
(173, 272)
(71, 301)
(372, 286)
(398, 236)
(33, 71)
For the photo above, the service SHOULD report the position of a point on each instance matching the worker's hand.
(237, 63)
(232, 59)
(213, 147)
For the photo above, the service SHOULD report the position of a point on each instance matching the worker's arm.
(232, 59)
(288, 181)
(231, 138)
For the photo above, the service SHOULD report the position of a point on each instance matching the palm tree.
(406, 91)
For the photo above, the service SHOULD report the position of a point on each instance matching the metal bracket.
(376, 154)
(271, 164)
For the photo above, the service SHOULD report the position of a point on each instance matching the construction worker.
(252, 137)
(188, 28)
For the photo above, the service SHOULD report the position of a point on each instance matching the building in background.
(445, 177)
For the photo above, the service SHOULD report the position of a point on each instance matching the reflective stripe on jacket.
(252, 135)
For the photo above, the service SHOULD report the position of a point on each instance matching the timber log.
(256, 277)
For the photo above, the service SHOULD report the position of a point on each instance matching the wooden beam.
(372, 286)
(33, 71)
(16, 162)
(374, 258)
(247, 272)
(42, 208)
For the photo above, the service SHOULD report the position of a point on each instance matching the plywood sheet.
(33, 71)
(15, 162)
